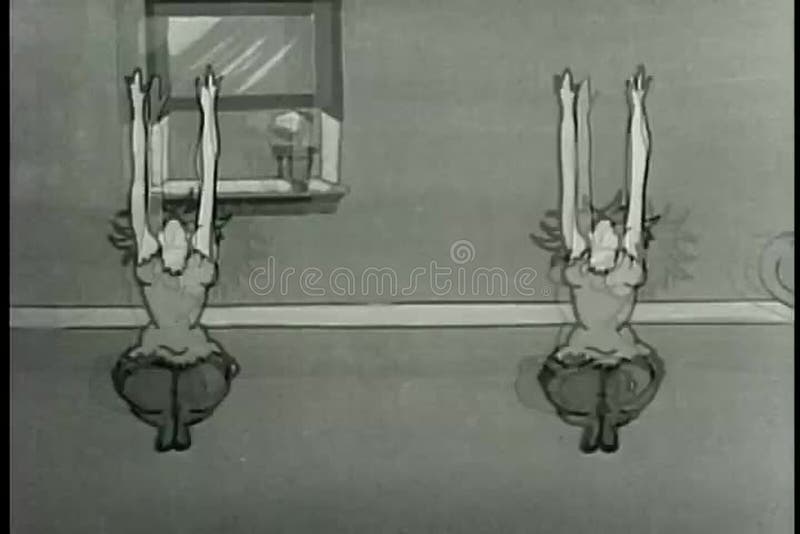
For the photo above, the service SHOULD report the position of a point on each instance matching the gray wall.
(65, 153)
(449, 134)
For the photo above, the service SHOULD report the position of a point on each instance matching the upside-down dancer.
(605, 264)
(176, 267)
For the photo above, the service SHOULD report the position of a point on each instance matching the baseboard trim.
(418, 315)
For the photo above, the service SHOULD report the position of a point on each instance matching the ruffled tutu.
(601, 397)
(601, 345)
(177, 347)
(173, 396)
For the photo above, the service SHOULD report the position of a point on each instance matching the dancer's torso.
(176, 300)
(602, 299)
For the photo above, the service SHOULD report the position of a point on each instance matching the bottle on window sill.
(292, 149)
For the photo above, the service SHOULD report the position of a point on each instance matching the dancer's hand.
(212, 81)
(638, 86)
(208, 87)
(136, 90)
(566, 90)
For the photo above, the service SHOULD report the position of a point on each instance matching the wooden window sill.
(269, 196)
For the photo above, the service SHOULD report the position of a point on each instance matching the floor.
(418, 431)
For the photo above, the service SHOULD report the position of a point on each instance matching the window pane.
(255, 54)
(250, 143)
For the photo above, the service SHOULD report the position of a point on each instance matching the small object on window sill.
(290, 124)
(290, 140)
(294, 163)
(317, 185)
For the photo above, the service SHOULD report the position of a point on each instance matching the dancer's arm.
(567, 160)
(640, 155)
(209, 139)
(146, 244)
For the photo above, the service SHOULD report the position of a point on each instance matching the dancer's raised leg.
(567, 157)
(208, 90)
(584, 220)
(639, 159)
(146, 244)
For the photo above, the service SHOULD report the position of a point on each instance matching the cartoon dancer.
(605, 264)
(176, 267)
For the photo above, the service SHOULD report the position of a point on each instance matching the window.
(280, 103)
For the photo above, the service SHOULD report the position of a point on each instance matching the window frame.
(327, 97)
